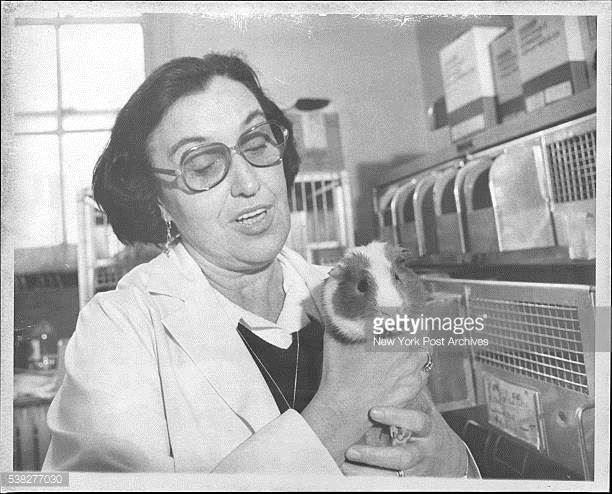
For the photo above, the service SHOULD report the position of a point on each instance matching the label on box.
(558, 91)
(535, 101)
(467, 127)
(545, 42)
(466, 67)
(504, 57)
(514, 409)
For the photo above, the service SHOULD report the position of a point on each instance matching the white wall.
(367, 67)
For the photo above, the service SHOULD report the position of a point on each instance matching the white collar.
(293, 316)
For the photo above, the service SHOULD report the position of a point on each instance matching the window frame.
(61, 257)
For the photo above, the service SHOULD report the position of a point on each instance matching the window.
(71, 77)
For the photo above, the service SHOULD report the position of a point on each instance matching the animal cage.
(450, 381)
(536, 376)
(102, 259)
(537, 191)
(406, 220)
(321, 216)
(387, 218)
(475, 208)
(522, 214)
(543, 189)
(448, 223)
(568, 155)
(425, 217)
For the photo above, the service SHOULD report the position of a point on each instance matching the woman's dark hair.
(123, 184)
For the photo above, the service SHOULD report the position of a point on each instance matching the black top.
(280, 363)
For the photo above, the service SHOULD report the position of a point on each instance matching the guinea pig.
(373, 281)
(370, 281)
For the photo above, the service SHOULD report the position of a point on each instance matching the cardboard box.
(468, 82)
(551, 58)
(507, 76)
(317, 139)
(588, 30)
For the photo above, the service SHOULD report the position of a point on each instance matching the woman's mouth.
(252, 217)
(255, 220)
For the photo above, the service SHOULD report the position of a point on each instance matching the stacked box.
(588, 29)
(551, 58)
(468, 82)
(507, 76)
(317, 139)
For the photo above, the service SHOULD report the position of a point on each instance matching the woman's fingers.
(419, 423)
(390, 457)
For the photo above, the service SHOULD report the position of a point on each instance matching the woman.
(211, 357)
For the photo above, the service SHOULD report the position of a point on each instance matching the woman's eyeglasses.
(206, 165)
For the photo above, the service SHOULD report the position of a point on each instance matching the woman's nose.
(245, 180)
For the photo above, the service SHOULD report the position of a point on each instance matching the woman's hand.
(355, 379)
(434, 449)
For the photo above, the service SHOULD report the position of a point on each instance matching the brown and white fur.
(370, 281)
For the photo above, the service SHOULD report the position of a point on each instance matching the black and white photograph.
(293, 246)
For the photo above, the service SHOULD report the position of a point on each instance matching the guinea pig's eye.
(362, 286)
(397, 278)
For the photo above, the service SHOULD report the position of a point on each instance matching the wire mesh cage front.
(569, 158)
(539, 340)
(572, 167)
(536, 375)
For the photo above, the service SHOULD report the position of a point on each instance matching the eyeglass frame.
(178, 172)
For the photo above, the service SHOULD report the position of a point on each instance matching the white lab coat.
(158, 379)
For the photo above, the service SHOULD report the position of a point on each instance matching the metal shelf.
(561, 111)
(541, 256)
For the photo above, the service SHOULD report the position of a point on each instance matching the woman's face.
(209, 221)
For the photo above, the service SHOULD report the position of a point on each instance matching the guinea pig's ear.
(395, 253)
(336, 272)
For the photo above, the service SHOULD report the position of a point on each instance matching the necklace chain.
(297, 360)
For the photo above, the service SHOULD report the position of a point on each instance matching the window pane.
(37, 192)
(35, 123)
(101, 64)
(104, 120)
(35, 69)
(81, 151)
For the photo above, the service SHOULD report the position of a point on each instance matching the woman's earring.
(169, 237)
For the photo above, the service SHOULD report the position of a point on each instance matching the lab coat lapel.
(210, 338)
